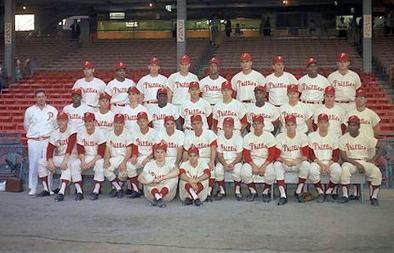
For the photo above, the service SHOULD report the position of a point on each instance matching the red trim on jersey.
(134, 149)
(72, 140)
(272, 154)
(50, 150)
(305, 151)
(214, 123)
(213, 144)
(207, 172)
(335, 155)
(312, 155)
(164, 191)
(80, 149)
(182, 171)
(101, 149)
(343, 128)
(244, 120)
(247, 155)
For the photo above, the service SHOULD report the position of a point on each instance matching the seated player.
(174, 139)
(104, 116)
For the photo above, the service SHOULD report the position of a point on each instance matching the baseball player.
(293, 156)
(174, 139)
(211, 85)
(345, 82)
(90, 86)
(369, 120)
(162, 109)
(91, 145)
(229, 107)
(193, 175)
(336, 114)
(195, 106)
(131, 110)
(244, 82)
(104, 117)
(278, 81)
(355, 150)
(119, 154)
(118, 87)
(312, 85)
(159, 177)
(324, 156)
(259, 152)
(229, 154)
(178, 83)
(151, 83)
(298, 109)
(206, 142)
(39, 122)
(262, 108)
(62, 140)
(76, 110)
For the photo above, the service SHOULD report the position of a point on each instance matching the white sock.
(158, 196)
(355, 190)
(329, 190)
(128, 185)
(375, 193)
(319, 190)
(266, 190)
(344, 191)
(209, 191)
(45, 185)
(334, 191)
(96, 188)
(78, 188)
(252, 190)
(370, 190)
(193, 193)
(282, 191)
(237, 189)
(299, 188)
(116, 185)
(222, 190)
(135, 188)
(62, 188)
(120, 184)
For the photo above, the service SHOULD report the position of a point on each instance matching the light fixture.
(151, 5)
(168, 7)
(24, 7)
(285, 2)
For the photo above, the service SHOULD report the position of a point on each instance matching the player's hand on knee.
(63, 165)
(51, 166)
(106, 164)
(360, 168)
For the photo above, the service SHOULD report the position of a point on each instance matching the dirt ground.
(29, 224)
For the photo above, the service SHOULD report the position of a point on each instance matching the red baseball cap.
(343, 57)
(142, 115)
(120, 65)
(62, 115)
(88, 116)
(161, 145)
(290, 118)
(261, 88)
(195, 117)
(228, 121)
(292, 88)
(329, 90)
(310, 61)
(88, 65)
(322, 117)
(354, 119)
(134, 90)
(185, 59)
(258, 118)
(119, 118)
(361, 93)
(193, 149)
(154, 60)
(162, 90)
(76, 91)
(227, 85)
(278, 59)
(214, 60)
(194, 85)
(105, 95)
(246, 57)
(169, 118)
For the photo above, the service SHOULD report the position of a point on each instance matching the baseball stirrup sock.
(164, 191)
(252, 188)
(281, 186)
(345, 191)
(45, 183)
(355, 190)
(78, 187)
(155, 193)
(134, 183)
(221, 186)
(267, 188)
(63, 187)
(116, 185)
(330, 187)
(375, 191)
(237, 186)
(191, 191)
(96, 187)
(301, 182)
(319, 188)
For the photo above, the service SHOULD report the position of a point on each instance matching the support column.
(9, 38)
(180, 29)
(367, 36)
(84, 35)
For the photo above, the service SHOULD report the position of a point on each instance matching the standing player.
(211, 85)
(229, 154)
(104, 116)
(294, 153)
(90, 86)
(245, 81)
(151, 83)
(324, 155)
(118, 87)
(76, 110)
(355, 152)
(262, 108)
(345, 82)
(312, 85)
(162, 109)
(62, 140)
(194, 175)
(278, 81)
(195, 106)
(179, 82)
(174, 139)
(159, 177)
(131, 110)
(91, 145)
(39, 122)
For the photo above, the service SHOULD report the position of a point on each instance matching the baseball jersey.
(173, 142)
(90, 90)
(179, 85)
(117, 144)
(368, 120)
(194, 172)
(204, 142)
(244, 84)
(40, 123)
(230, 147)
(259, 145)
(148, 85)
(154, 170)
(145, 141)
(269, 112)
(131, 116)
(201, 107)
(300, 111)
(357, 147)
(212, 89)
(234, 109)
(312, 89)
(118, 91)
(345, 85)
(105, 121)
(322, 147)
(60, 141)
(90, 141)
(159, 113)
(336, 117)
(291, 148)
(277, 87)
(75, 115)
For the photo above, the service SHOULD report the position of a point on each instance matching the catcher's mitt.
(307, 196)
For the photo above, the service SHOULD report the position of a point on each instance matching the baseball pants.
(202, 193)
(98, 169)
(302, 169)
(315, 172)
(36, 151)
(372, 173)
(248, 177)
(113, 169)
(57, 160)
(166, 188)
(235, 174)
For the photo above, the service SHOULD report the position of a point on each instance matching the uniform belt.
(247, 101)
(343, 102)
(150, 102)
(121, 105)
(311, 102)
(189, 128)
(41, 138)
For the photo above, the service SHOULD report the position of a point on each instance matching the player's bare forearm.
(184, 177)
(380, 150)
(345, 158)
(221, 159)
(213, 154)
(179, 152)
(203, 178)
(309, 123)
(237, 159)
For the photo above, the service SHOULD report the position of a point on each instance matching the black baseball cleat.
(266, 198)
(208, 199)
(113, 193)
(219, 196)
(353, 197)
(56, 191)
(343, 200)
(197, 202)
(188, 202)
(120, 194)
(94, 196)
(320, 198)
(251, 197)
(135, 194)
(59, 197)
(154, 202)
(128, 192)
(300, 198)
(334, 196)
(374, 202)
(161, 203)
(328, 198)
(282, 201)
(238, 197)
(43, 194)
(79, 196)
